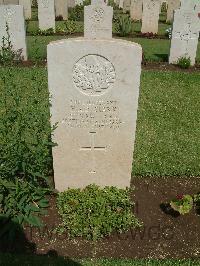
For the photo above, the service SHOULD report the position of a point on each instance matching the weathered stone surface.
(98, 20)
(27, 8)
(94, 86)
(61, 8)
(126, 5)
(10, 2)
(13, 16)
(121, 3)
(136, 9)
(71, 3)
(171, 6)
(185, 35)
(190, 5)
(150, 16)
(46, 14)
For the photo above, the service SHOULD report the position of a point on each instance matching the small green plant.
(77, 13)
(124, 26)
(182, 204)
(184, 62)
(47, 32)
(21, 202)
(94, 212)
(7, 54)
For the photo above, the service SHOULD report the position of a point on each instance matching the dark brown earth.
(164, 235)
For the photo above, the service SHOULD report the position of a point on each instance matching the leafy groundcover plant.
(94, 212)
(185, 202)
(182, 204)
(25, 144)
(184, 62)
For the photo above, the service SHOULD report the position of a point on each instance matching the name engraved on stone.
(93, 114)
(93, 148)
(93, 75)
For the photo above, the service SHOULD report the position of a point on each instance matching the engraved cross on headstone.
(93, 148)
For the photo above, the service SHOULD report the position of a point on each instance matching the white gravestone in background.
(10, 2)
(136, 9)
(71, 3)
(150, 16)
(61, 8)
(27, 8)
(121, 3)
(98, 20)
(94, 85)
(171, 6)
(185, 35)
(13, 16)
(126, 5)
(46, 14)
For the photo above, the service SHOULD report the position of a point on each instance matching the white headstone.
(126, 5)
(27, 8)
(94, 85)
(136, 9)
(171, 6)
(46, 14)
(121, 3)
(71, 3)
(150, 16)
(116, 2)
(10, 2)
(98, 20)
(12, 15)
(185, 35)
(61, 8)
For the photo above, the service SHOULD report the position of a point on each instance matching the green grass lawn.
(168, 127)
(31, 260)
(33, 26)
(155, 50)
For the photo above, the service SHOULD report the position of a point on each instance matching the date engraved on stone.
(93, 75)
(97, 114)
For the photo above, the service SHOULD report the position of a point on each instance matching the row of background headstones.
(184, 38)
(146, 10)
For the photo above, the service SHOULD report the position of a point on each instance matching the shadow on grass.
(16, 250)
(162, 57)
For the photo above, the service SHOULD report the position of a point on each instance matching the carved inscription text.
(97, 114)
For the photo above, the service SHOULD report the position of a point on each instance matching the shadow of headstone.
(15, 249)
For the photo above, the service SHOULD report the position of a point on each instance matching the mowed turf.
(154, 50)
(32, 260)
(168, 126)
